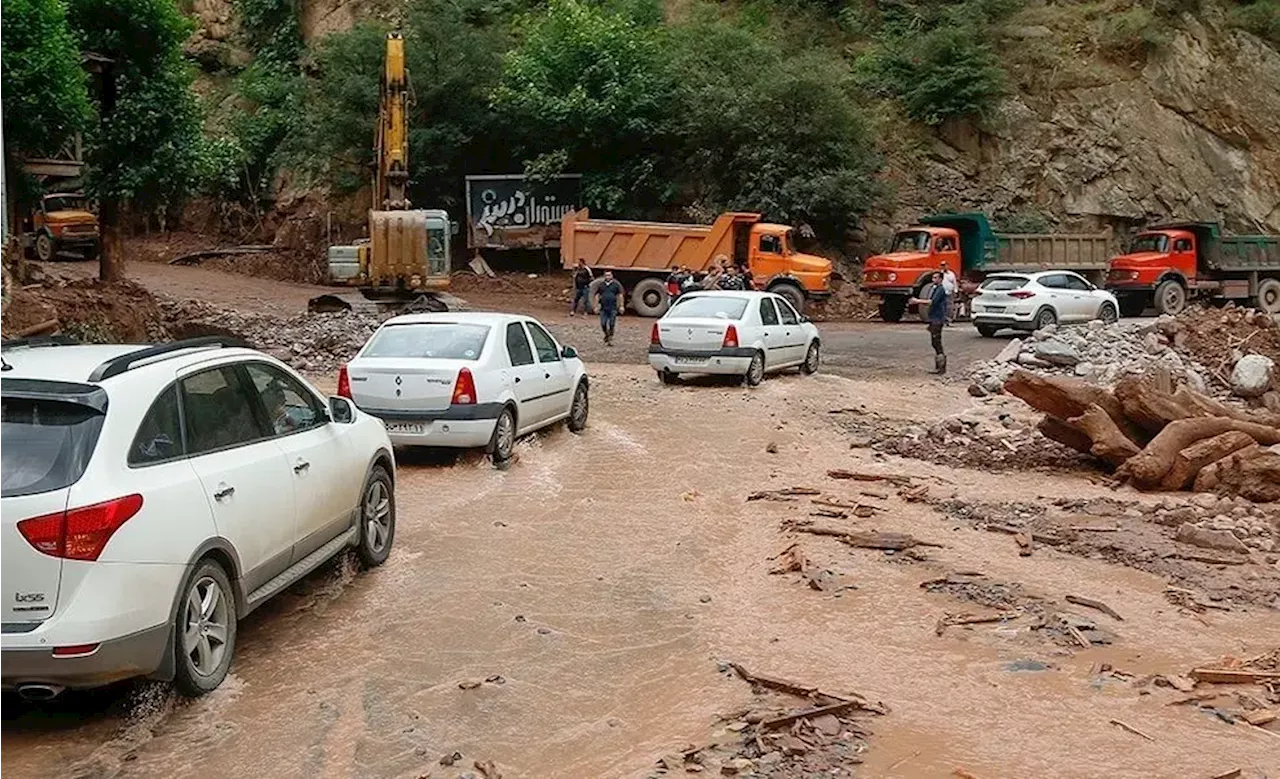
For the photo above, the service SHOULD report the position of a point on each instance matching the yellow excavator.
(405, 262)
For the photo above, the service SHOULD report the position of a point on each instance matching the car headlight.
(893, 277)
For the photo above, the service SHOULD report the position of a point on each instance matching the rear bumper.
(1026, 323)
(731, 362)
(138, 654)
(459, 427)
(1129, 288)
(886, 290)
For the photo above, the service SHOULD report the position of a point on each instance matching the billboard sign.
(509, 212)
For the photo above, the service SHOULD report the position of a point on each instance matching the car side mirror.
(804, 318)
(569, 353)
(453, 228)
(341, 410)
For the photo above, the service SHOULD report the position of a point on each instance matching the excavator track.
(424, 303)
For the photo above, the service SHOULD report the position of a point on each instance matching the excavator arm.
(391, 141)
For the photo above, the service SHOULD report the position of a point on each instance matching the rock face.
(1252, 376)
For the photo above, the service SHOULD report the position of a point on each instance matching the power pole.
(111, 258)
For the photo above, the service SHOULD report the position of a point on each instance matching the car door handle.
(225, 491)
(301, 465)
(517, 380)
(766, 335)
(546, 375)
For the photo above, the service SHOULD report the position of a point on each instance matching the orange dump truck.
(972, 250)
(641, 255)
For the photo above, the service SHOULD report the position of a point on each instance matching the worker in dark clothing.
(610, 295)
(937, 316)
(582, 278)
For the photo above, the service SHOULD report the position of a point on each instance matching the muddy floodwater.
(568, 617)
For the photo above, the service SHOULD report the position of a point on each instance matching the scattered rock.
(1056, 352)
(1251, 378)
(1010, 352)
(1210, 539)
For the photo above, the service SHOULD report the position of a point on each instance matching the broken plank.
(1208, 559)
(1093, 529)
(840, 473)
(1234, 774)
(812, 711)
(835, 504)
(1131, 729)
(829, 514)
(1199, 697)
(979, 619)
(1094, 604)
(1260, 717)
(874, 494)
(1023, 540)
(1039, 538)
(1076, 634)
(1233, 676)
(884, 540)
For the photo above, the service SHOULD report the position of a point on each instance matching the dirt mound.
(847, 302)
(1217, 338)
(87, 309)
(308, 267)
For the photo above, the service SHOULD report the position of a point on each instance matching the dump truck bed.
(1047, 251)
(1245, 253)
(625, 245)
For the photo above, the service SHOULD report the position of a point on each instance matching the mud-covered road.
(599, 581)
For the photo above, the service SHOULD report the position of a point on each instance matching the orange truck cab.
(1168, 265)
(642, 254)
(971, 249)
(62, 220)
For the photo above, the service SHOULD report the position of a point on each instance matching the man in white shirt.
(949, 286)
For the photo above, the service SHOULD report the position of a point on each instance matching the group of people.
(942, 304)
(609, 294)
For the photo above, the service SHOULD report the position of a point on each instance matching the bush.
(943, 73)
(1261, 17)
(1134, 33)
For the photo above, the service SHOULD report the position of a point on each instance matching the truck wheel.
(924, 293)
(650, 298)
(793, 294)
(988, 331)
(91, 252)
(45, 247)
(892, 307)
(1132, 305)
(1268, 299)
(1171, 298)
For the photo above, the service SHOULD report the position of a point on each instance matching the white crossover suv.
(152, 496)
(1030, 301)
(466, 380)
(744, 334)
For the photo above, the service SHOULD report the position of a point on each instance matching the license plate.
(682, 360)
(994, 309)
(416, 428)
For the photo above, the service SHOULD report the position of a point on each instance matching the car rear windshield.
(1002, 283)
(429, 340)
(47, 444)
(710, 307)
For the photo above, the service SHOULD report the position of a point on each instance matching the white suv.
(152, 496)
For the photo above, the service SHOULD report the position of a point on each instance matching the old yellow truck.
(62, 221)
(641, 254)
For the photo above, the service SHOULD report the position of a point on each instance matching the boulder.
(1056, 352)
(1010, 351)
(1210, 539)
(1251, 378)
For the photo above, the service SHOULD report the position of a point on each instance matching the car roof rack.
(32, 342)
(125, 362)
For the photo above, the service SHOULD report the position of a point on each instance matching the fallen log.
(194, 258)
(1066, 398)
(1109, 442)
(1148, 468)
(1252, 473)
(1056, 430)
(1233, 676)
(1188, 462)
(885, 540)
(1094, 604)
(47, 326)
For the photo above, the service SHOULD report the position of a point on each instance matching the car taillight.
(1022, 294)
(79, 534)
(464, 389)
(654, 340)
(79, 650)
(344, 383)
(730, 338)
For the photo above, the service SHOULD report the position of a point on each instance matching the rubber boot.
(939, 364)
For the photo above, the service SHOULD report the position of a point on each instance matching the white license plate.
(413, 428)
(994, 309)
(682, 360)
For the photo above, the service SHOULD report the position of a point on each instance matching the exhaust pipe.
(38, 693)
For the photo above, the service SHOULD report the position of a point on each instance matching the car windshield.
(1001, 283)
(910, 241)
(1150, 242)
(430, 340)
(47, 444)
(709, 307)
(65, 203)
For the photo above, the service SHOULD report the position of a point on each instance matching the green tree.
(45, 94)
(588, 89)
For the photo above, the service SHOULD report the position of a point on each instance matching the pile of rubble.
(311, 343)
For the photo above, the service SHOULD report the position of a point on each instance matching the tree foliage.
(45, 94)
(148, 147)
(1260, 17)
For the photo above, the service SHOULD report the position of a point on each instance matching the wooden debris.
(47, 326)
(1075, 633)
(835, 504)
(1023, 540)
(1198, 698)
(487, 769)
(1131, 729)
(1234, 774)
(811, 712)
(1260, 717)
(1039, 538)
(829, 514)
(1204, 558)
(1094, 604)
(948, 620)
(784, 494)
(790, 560)
(885, 540)
(1178, 682)
(913, 494)
(194, 258)
(1233, 676)
(874, 494)
(1093, 529)
(899, 480)
(960, 773)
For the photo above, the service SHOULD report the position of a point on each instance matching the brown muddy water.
(600, 580)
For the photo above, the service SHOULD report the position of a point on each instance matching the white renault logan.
(744, 334)
(153, 496)
(466, 380)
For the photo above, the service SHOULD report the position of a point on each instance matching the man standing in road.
(582, 277)
(610, 295)
(949, 284)
(937, 304)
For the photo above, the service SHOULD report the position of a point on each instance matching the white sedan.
(466, 380)
(744, 334)
(1031, 301)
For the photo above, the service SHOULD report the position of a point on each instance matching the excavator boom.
(392, 140)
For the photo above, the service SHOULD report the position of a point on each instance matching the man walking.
(582, 277)
(611, 304)
(937, 316)
(951, 286)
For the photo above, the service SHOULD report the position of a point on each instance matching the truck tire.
(924, 293)
(46, 249)
(1171, 297)
(793, 294)
(650, 298)
(1268, 298)
(1132, 305)
(892, 307)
